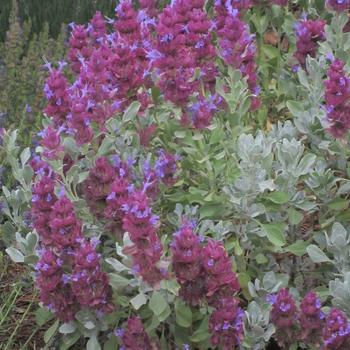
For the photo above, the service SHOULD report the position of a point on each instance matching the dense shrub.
(168, 209)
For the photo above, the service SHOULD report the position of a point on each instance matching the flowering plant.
(161, 215)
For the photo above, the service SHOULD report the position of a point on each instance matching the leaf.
(201, 333)
(294, 216)
(316, 254)
(67, 328)
(131, 111)
(111, 344)
(261, 259)
(243, 279)
(51, 331)
(43, 315)
(25, 155)
(116, 264)
(28, 173)
(31, 259)
(275, 233)
(211, 210)
(183, 314)
(6, 192)
(15, 255)
(31, 241)
(157, 303)
(295, 107)
(117, 281)
(180, 134)
(152, 324)
(197, 136)
(93, 343)
(69, 340)
(82, 176)
(70, 145)
(298, 248)
(89, 325)
(106, 146)
(278, 197)
(138, 301)
(165, 314)
(164, 342)
(306, 163)
(345, 188)
(338, 204)
(171, 285)
(270, 51)
(303, 78)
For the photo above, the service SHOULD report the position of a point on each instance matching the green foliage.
(54, 12)
(22, 74)
(22, 78)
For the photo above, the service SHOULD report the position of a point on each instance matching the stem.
(18, 324)
(10, 307)
(30, 338)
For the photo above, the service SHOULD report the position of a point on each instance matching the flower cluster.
(118, 193)
(97, 28)
(221, 282)
(225, 7)
(141, 225)
(79, 46)
(202, 112)
(204, 272)
(308, 324)
(134, 336)
(65, 228)
(69, 275)
(284, 317)
(187, 263)
(337, 97)
(208, 266)
(238, 49)
(56, 92)
(149, 6)
(309, 33)
(184, 46)
(43, 198)
(51, 143)
(128, 63)
(98, 185)
(336, 333)
(165, 168)
(226, 325)
(172, 49)
(338, 5)
(52, 291)
(311, 319)
(89, 282)
(113, 194)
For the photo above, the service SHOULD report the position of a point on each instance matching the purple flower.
(337, 96)
(284, 316)
(309, 33)
(226, 324)
(338, 5)
(336, 332)
(134, 336)
(311, 319)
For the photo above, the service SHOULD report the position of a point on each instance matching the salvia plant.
(190, 186)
